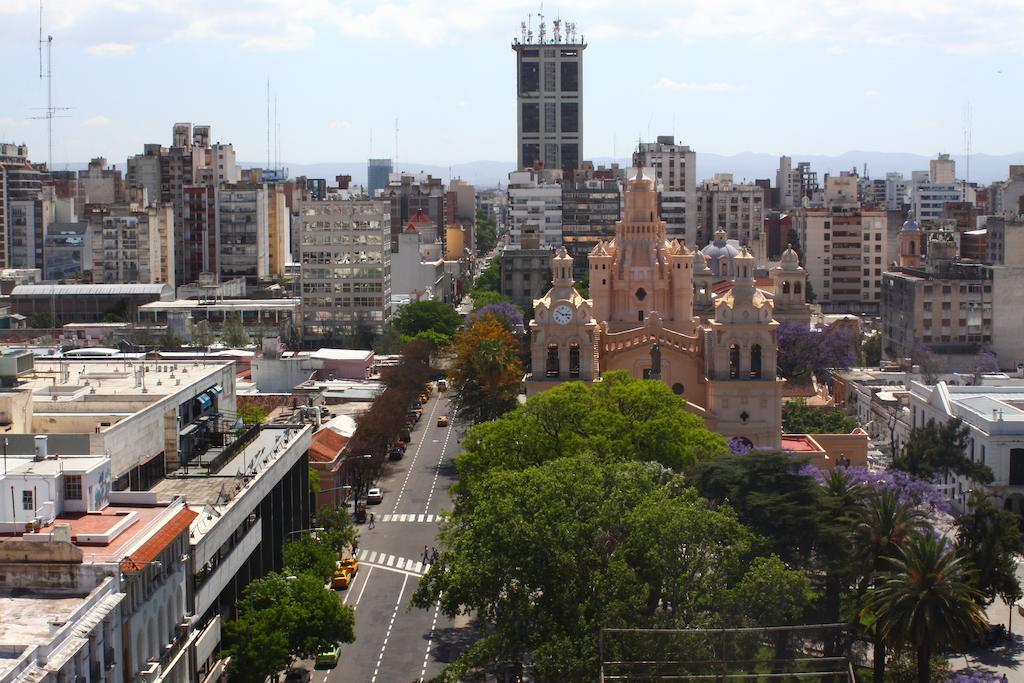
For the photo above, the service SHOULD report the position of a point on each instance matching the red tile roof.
(420, 217)
(327, 445)
(156, 544)
(799, 443)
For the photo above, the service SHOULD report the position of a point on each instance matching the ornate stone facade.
(641, 319)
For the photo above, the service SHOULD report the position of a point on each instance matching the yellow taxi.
(442, 420)
(344, 572)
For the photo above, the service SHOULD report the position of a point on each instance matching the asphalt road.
(396, 643)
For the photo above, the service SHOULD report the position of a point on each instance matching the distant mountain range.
(984, 169)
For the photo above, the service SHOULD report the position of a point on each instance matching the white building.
(535, 208)
(675, 171)
(243, 225)
(994, 412)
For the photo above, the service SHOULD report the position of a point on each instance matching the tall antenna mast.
(396, 144)
(268, 124)
(50, 111)
(967, 142)
(277, 141)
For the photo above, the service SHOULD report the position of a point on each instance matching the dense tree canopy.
(307, 553)
(990, 540)
(281, 617)
(486, 234)
(417, 317)
(800, 418)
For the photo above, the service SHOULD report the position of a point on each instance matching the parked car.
(344, 572)
(296, 676)
(374, 496)
(442, 420)
(395, 453)
(328, 657)
(442, 385)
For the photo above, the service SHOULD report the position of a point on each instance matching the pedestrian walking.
(425, 554)
(372, 522)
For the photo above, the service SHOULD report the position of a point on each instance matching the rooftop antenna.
(540, 26)
(557, 30)
(522, 29)
(529, 28)
(967, 142)
(268, 123)
(396, 143)
(50, 111)
(570, 31)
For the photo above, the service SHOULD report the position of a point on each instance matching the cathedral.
(697, 320)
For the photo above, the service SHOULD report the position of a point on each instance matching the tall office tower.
(675, 172)
(378, 173)
(20, 201)
(550, 96)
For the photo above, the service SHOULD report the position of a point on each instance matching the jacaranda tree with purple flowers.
(507, 313)
(805, 353)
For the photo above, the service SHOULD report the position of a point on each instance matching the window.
(552, 368)
(734, 361)
(640, 315)
(574, 360)
(755, 361)
(531, 153)
(570, 155)
(570, 117)
(72, 487)
(531, 117)
(549, 76)
(550, 117)
(28, 501)
(529, 77)
(570, 77)
(1017, 467)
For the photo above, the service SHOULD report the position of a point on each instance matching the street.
(395, 643)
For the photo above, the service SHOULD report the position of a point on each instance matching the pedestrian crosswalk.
(388, 561)
(409, 518)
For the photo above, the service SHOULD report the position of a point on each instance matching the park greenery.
(431, 321)
(610, 506)
(800, 418)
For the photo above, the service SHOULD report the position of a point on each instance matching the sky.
(723, 76)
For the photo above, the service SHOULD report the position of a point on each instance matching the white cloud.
(111, 49)
(98, 120)
(836, 50)
(983, 27)
(340, 125)
(871, 93)
(669, 84)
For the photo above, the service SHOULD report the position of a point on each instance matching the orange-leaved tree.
(486, 373)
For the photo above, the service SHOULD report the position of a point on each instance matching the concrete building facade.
(675, 171)
(535, 208)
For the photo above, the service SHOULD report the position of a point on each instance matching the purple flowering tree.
(986, 362)
(910, 490)
(805, 353)
(740, 445)
(508, 314)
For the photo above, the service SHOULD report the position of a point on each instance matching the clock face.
(562, 314)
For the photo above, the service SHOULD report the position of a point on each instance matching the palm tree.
(885, 525)
(926, 601)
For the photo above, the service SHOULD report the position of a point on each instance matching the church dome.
(911, 225)
(716, 250)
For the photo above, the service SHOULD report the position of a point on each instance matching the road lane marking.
(363, 554)
(391, 561)
(398, 603)
(365, 582)
(437, 472)
(419, 518)
(418, 567)
(416, 455)
(373, 556)
(430, 642)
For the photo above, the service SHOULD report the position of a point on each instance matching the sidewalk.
(1007, 658)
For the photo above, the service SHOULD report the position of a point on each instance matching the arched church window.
(912, 247)
(755, 361)
(785, 287)
(797, 288)
(552, 368)
(574, 360)
(640, 315)
(734, 361)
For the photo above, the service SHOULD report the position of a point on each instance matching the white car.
(374, 496)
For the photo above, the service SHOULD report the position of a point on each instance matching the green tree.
(939, 449)
(619, 418)
(547, 556)
(489, 278)
(486, 234)
(314, 483)
(338, 530)
(437, 340)
(426, 316)
(234, 334)
(926, 601)
(486, 372)
(872, 349)
(800, 418)
(281, 617)
(201, 334)
(989, 539)
(169, 340)
(253, 414)
(307, 553)
(885, 524)
(488, 297)
(40, 321)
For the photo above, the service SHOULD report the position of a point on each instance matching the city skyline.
(870, 77)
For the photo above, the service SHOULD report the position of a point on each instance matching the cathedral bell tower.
(911, 243)
(564, 334)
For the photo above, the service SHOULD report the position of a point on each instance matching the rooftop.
(222, 305)
(91, 290)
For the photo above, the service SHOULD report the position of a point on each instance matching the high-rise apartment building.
(591, 205)
(378, 174)
(243, 227)
(132, 243)
(549, 103)
(535, 208)
(346, 266)
(845, 250)
(675, 172)
(409, 193)
(795, 184)
(19, 182)
(737, 208)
